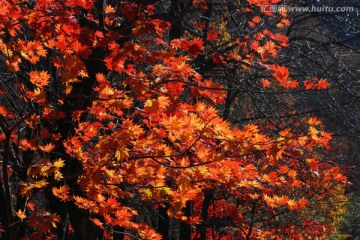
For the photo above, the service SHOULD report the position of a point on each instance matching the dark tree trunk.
(185, 228)
(163, 222)
(79, 219)
(208, 196)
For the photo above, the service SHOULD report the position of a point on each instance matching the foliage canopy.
(114, 118)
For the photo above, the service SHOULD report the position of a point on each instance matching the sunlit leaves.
(121, 153)
(265, 83)
(45, 168)
(86, 4)
(281, 74)
(27, 188)
(194, 47)
(61, 192)
(145, 130)
(47, 148)
(316, 84)
(109, 9)
(59, 163)
(39, 78)
(21, 214)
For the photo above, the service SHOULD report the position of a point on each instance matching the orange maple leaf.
(97, 222)
(339, 177)
(47, 148)
(281, 73)
(302, 203)
(292, 173)
(39, 78)
(61, 192)
(265, 83)
(256, 19)
(109, 9)
(314, 121)
(322, 84)
(283, 169)
(175, 44)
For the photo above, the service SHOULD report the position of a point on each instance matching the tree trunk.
(163, 222)
(185, 228)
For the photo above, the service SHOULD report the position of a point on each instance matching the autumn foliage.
(109, 117)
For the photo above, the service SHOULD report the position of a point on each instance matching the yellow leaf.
(83, 74)
(59, 163)
(184, 182)
(40, 184)
(313, 132)
(163, 191)
(45, 170)
(148, 192)
(58, 176)
(21, 214)
(292, 204)
(121, 153)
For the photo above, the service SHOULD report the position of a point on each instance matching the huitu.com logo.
(324, 9)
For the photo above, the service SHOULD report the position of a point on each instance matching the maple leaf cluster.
(118, 120)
